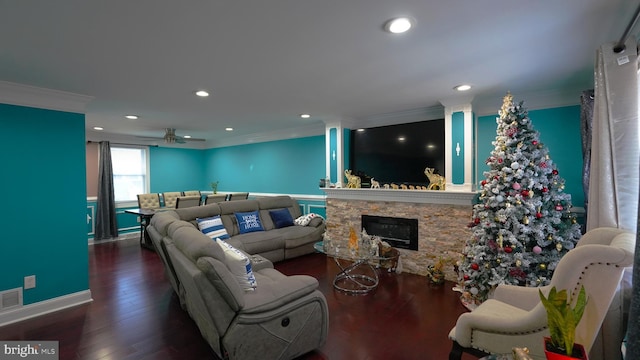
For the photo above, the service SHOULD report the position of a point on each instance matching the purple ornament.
(537, 249)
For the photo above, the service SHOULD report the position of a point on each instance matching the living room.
(48, 161)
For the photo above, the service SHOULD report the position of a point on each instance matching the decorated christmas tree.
(522, 225)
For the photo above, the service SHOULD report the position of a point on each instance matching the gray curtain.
(106, 222)
(586, 130)
(614, 180)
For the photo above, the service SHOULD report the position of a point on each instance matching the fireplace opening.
(398, 232)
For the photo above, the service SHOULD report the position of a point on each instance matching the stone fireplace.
(442, 217)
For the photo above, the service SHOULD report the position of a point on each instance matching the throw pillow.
(281, 218)
(304, 220)
(212, 227)
(249, 222)
(239, 265)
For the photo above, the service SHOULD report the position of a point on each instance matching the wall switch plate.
(29, 282)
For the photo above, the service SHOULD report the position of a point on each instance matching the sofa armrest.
(316, 222)
(259, 263)
(275, 289)
(525, 298)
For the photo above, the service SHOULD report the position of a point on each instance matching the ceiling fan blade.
(170, 137)
(150, 137)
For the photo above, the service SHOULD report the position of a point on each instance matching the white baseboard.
(45, 307)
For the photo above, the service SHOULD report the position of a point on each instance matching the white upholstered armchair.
(514, 316)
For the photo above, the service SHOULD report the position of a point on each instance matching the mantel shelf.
(407, 196)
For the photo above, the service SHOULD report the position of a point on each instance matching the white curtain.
(615, 160)
(613, 189)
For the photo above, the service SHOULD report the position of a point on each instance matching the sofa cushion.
(222, 279)
(278, 202)
(249, 222)
(239, 265)
(281, 218)
(258, 242)
(213, 227)
(194, 244)
(162, 220)
(194, 212)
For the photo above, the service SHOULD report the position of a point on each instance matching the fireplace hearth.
(398, 232)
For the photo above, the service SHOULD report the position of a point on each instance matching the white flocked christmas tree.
(522, 225)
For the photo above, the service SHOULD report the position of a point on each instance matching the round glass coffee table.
(358, 273)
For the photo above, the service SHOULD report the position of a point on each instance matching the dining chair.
(187, 201)
(238, 196)
(214, 198)
(149, 201)
(170, 198)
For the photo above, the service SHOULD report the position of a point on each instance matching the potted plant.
(435, 272)
(562, 320)
(214, 186)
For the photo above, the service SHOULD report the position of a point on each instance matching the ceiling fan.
(170, 137)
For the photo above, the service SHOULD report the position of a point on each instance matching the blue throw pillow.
(281, 218)
(212, 227)
(249, 222)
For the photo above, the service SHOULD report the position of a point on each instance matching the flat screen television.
(398, 153)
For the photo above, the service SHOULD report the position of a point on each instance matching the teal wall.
(175, 169)
(457, 139)
(333, 149)
(44, 181)
(292, 166)
(559, 130)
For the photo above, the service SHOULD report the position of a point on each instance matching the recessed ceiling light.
(360, 130)
(229, 129)
(187, 136)
(202, 93)
(131, 117)
(398, 25)
(98, 128)
(463, 87)
(401, 138)
(305, 116)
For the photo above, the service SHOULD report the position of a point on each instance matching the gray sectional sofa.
(283, 318)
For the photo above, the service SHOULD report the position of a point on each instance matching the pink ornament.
(537, 249)
(516, 186)
(559, 207)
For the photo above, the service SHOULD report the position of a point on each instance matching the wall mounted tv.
(398, 153)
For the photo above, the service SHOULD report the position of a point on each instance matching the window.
(129, 172)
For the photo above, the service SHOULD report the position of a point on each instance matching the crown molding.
(31, 96)
(401, 117)
(283, 134)
(532, 101)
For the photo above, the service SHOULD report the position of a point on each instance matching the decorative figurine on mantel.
(436, 181)
(353, 181)
(375, 184)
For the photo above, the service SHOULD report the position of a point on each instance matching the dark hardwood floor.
(136, 315)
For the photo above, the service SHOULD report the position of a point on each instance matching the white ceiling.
(266, 62)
